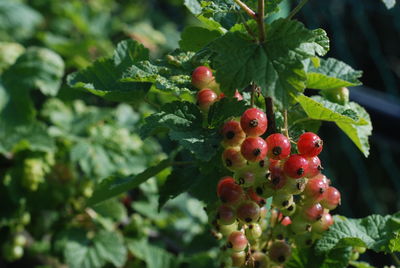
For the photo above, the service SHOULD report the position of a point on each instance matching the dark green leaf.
(276, 65)
(331, 73)
(115, 185)
(308, 258)
(194, 38)
(103, 78)
(224, 109)
(112, 208)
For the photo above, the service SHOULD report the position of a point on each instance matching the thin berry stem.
(285, 123)
(395, 258)
(269, 109)
(297, 9)
(248, 10)
(253, 93)
(260, 21)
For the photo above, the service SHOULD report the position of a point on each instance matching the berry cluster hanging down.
(266, 168)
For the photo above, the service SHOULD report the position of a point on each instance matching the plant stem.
(253, 93)
(285, 123)
(248, 29)
(248, 10)
(297, 9)
(269, 109)
(395, 258)
(260, 21)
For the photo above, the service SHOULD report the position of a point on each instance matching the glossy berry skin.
(313, 212)
(323, 224)
(295, 186)
(229, 192)
(254, 149)
(233, 159)
(201, 77)
(245, 178)
(237, 241)
(259, 260)
(248, 211)
(232, 134)
(295, 166)
(282, 201)
(252, 195)
(279, 252)
(278, 146)
(205, 98)
(314, 166)
(309, 144)
(226, 230)
(238, 258)
(300, 226)
(238, 96)
(253, 231)
(286, 221)
(277, 177)
(226, 215)
(331, 198)
(254, 122)
(315, 189)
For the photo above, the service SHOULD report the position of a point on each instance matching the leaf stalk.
(297, 9)
(247, 9)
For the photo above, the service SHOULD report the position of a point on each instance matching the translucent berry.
(233, 159)
(279, 252)
(253, 231)
(277, 178)
(245, 178)
(280, 231)
(323, 224)
(282, 201)
(237, 241)
(286, 221)
(309, 144)
(278, 146)
(226, 215)
(228, 229)
(248, 211)
(205, 98)
(201, 77)
(223, 182)
(229, 192)
(254, 149)
(232, 134)
(304, 240)
(315, 189)
(313, 212)
(254, 122)
(331, 198)
(314, 167)
(295, 186)
(300, 226)
(295, 166)
(238, 258)
(255, 197)
(265, 189)
(259, 260)
(290, 210)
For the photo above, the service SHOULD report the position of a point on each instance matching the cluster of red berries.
(204, 80)
(301, 195)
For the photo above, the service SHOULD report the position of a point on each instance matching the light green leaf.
(9, 52)
(193, 6)
(153, 256)
(373, 232)
(115, 185)
(361, 264)
(103, 78)
(276, 65)
(112, 208)
(194, 38)
(331, 73)
(308, 258)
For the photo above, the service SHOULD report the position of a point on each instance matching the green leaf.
(38, 68)
(359, 134)
(308, 258)
(183, 120)
(193, 6)
(9, 52)
(194, 38)
(224, 109)
(103, 78)
(153, 256)
(361, 264)
(331, 73)
(17, 20)
(389, 3)
(116, 185)
(113, 209)
(82, 252)
(373, 232)
(171, 74)
(276, 65)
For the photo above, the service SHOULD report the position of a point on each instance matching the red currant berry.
(278, 146)
(225, 181)
(259, 260)
(313, 212)
(323, 177)
(232, 134)
(201, 77)
(331, 198)
(314, 166)
(309, 144)
(254, 149)
(315, 189)
(255, 197)
(205, 98)
(248, 211)
(237, 241)
(295, 166)
(286, 221)
(226, 215)
(323, 224)
(238, 96)
(229, 192)
(279, 252)
(254, 122)
(274, 163)
(233, 159)
(278, 178)
(245, 178)
(295, 186)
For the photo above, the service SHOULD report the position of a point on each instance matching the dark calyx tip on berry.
(228, 162)
(290, 208)
(229, 135)
(277, 150)
(252, 251)
(319, 217)
(262, 202)
(256, 152)
(257, 264)
(300, 171)
(320, 168)
(253, 123)
(241, 181)
(261, 163)
(285, 203)
(264, 250)
(251, 226)
(229, 245)
(281, 258)
(275, 180)
(259, 191)
(308, 227)
(321, 190)
(299, 185)
(318, 143)
(248, 219)
(309, 242)
(279, 236)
